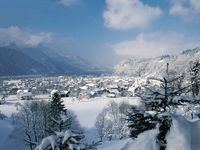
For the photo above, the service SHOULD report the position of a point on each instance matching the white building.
(24, 95)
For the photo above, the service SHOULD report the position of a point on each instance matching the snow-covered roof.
(64, 92)
(84, 88)
(131, 89)
(26, 91)
(54, 91)
(113, 86)
(111, 95)
(90, 84)
(92, 93)
(19, 91)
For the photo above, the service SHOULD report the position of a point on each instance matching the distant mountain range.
(42, 61)
(157, 66)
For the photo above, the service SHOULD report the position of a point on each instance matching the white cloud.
(127, 14)
(21, 37)
(187, 9)
(67, 2)
(154, 44)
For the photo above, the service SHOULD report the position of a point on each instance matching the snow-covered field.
(183, 135)
(86, 111)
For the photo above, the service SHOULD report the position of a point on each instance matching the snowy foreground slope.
(5, 129)
(183, 135)
(86, 111)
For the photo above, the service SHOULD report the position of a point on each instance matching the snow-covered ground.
(86, 111)
(183, 135)
(5, 130)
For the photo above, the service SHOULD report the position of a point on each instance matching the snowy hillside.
(156, 66)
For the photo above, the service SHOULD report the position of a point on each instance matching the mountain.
(14, 62)
(157, 66)
(42, 61)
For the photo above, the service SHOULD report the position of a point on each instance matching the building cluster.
(72, 86)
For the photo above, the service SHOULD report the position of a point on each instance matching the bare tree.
(111, 123)
(32, 119)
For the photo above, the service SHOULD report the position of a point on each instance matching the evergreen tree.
(57, 109)
(159, 100)
(62, 126)
(57, 106)
(139, 121)
(195, 77)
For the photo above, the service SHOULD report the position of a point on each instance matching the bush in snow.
(191, 110)
(61, 139)
(111, 123)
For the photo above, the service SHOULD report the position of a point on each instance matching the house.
(83, 92)
(93, 94)
(131, 91)
(113, 91)
(24, 95)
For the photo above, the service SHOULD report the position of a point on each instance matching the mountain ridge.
(41, 61)
(157, 66)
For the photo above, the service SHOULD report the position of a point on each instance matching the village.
(80, 87)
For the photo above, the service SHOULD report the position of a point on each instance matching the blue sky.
(103, 31)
